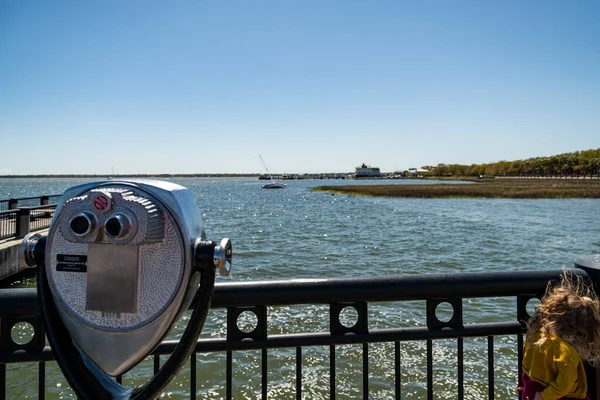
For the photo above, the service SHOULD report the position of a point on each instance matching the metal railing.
(8, 223)
(14, 203)
(356, 294)
(20, 216)
(19, 222)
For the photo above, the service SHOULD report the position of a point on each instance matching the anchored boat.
(273, 184)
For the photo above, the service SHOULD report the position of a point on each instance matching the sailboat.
(273, 184)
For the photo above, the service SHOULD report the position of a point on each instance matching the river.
(296, 233)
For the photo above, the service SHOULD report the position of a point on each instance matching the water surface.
(295, 233)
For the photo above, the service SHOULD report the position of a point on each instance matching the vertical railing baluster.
(332, 372)
(461, 370)
(229, 375)
(156, 360)
(298, 373)
(491, 367)
(398, 370)
(520, 362)
(264, 374)
(41, 380)
(156, 363)
(193, 376)
(2, 381)
(429, 369)
(365, 371)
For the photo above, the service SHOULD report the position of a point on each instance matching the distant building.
(366, 171)
(417, 171)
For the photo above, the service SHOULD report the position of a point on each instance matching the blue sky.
(313, 86)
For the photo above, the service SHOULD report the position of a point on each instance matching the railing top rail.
(38, 207)
(15, 302)
(386, 288)
(31, 198)
(14, 211)
(27, 198)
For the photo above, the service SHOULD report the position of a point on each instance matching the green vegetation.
(486, 188)
(579, 163)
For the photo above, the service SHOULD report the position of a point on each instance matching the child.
(564, 330)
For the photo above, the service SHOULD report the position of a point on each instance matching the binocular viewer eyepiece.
(117, 226)
(122, 261)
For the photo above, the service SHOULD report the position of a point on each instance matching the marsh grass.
(486, 188)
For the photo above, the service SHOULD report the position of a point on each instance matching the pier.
(281, 177)
(18, 217)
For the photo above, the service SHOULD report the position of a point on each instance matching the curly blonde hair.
(570, 311)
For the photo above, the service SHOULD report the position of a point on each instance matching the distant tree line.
(578, 163)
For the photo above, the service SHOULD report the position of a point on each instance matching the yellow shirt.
(557, 366)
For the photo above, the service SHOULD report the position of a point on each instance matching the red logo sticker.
(101, 203)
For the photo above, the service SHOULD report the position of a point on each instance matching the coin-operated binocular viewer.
(122, 261)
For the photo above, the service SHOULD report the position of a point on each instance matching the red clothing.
(531, 387)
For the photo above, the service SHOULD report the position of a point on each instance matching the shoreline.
(105, 176)
(482, 188)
